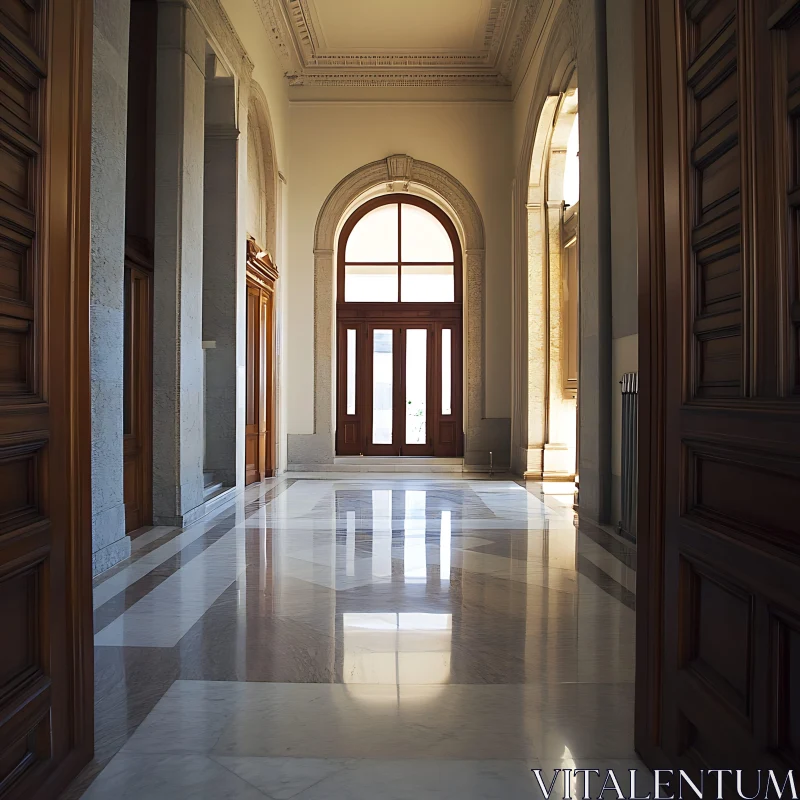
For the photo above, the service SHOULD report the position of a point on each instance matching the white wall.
(471, 140)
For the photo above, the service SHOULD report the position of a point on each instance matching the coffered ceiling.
(399, 42)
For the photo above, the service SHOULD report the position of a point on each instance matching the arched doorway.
(399, 330)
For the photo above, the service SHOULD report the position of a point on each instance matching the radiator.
(630, 427)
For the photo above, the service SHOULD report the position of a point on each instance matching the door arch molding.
(400, 173)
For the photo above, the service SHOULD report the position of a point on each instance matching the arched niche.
(541, 447)
(262, 173)
(400, 173)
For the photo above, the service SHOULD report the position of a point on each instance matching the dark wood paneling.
(45, 504)
(719, 555)
(138, 392)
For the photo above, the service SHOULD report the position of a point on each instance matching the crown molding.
(291, 28)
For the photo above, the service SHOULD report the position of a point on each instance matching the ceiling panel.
(400, 26)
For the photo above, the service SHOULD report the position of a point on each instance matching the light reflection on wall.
(396, 649)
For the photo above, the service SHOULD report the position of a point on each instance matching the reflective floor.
(343, 637)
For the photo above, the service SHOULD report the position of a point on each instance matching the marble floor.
(364, 636)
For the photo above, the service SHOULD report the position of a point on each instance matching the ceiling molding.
(301, 48)
(531, 12)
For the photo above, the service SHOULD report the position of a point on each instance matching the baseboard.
(203, 510)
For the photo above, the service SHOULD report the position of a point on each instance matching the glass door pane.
(416, 385)
(351, 371)
(382, 386)
(447, 372)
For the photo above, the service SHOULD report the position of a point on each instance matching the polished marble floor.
(363, 636)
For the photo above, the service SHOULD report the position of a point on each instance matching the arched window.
(399, 250)
(399, 330)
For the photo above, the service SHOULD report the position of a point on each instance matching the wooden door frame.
(262, 272)
(143, 410)
(61, 351)
(363, 316)
(652, 381)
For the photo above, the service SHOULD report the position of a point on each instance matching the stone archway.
(400, 173)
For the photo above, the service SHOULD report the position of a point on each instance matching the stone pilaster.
(221, 279)
(178, 257)
(109, 134)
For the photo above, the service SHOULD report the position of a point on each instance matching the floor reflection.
(322, 635)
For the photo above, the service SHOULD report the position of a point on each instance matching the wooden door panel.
(402, 391)
(350, 428)
(45, 503)
(138, 395)
(262, 275)
(253, 388)
(720, 556)
(354, 431)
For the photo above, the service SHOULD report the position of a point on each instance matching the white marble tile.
(117, 583)
(162, 617)
(425, 780)
(341, 720)
(189, 718)
(133, 776)
(283, 778)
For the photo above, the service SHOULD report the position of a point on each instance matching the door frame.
(141, 376)
(399, 331)
(60, 486)
(652, 374)
(262, 273)
(353, 432)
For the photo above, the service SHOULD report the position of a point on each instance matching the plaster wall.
(329, 140)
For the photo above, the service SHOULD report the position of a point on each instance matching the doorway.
(137, 397)
(262, 275)
(399, 329)
(137, 388)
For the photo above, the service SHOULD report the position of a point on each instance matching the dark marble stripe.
(605, 582)
(105, 614)
(625, 553)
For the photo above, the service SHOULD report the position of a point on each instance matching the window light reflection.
(400, 649)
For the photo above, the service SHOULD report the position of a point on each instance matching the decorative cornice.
(526, 26)
(290, 25)
(272, 20)
(397, 79)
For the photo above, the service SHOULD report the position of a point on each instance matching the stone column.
(220, 278)
(595, 264)
(109, 134)
(537, 341)
(178, 257)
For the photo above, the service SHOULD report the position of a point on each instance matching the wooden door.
(260, 381)
(399, 388)
(266, 409)
(138, 393)
(719, 551)
(45, 502)
(255, 389)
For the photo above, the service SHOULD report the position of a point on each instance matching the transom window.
(399, 250)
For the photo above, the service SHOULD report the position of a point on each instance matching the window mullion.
(399, 254)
